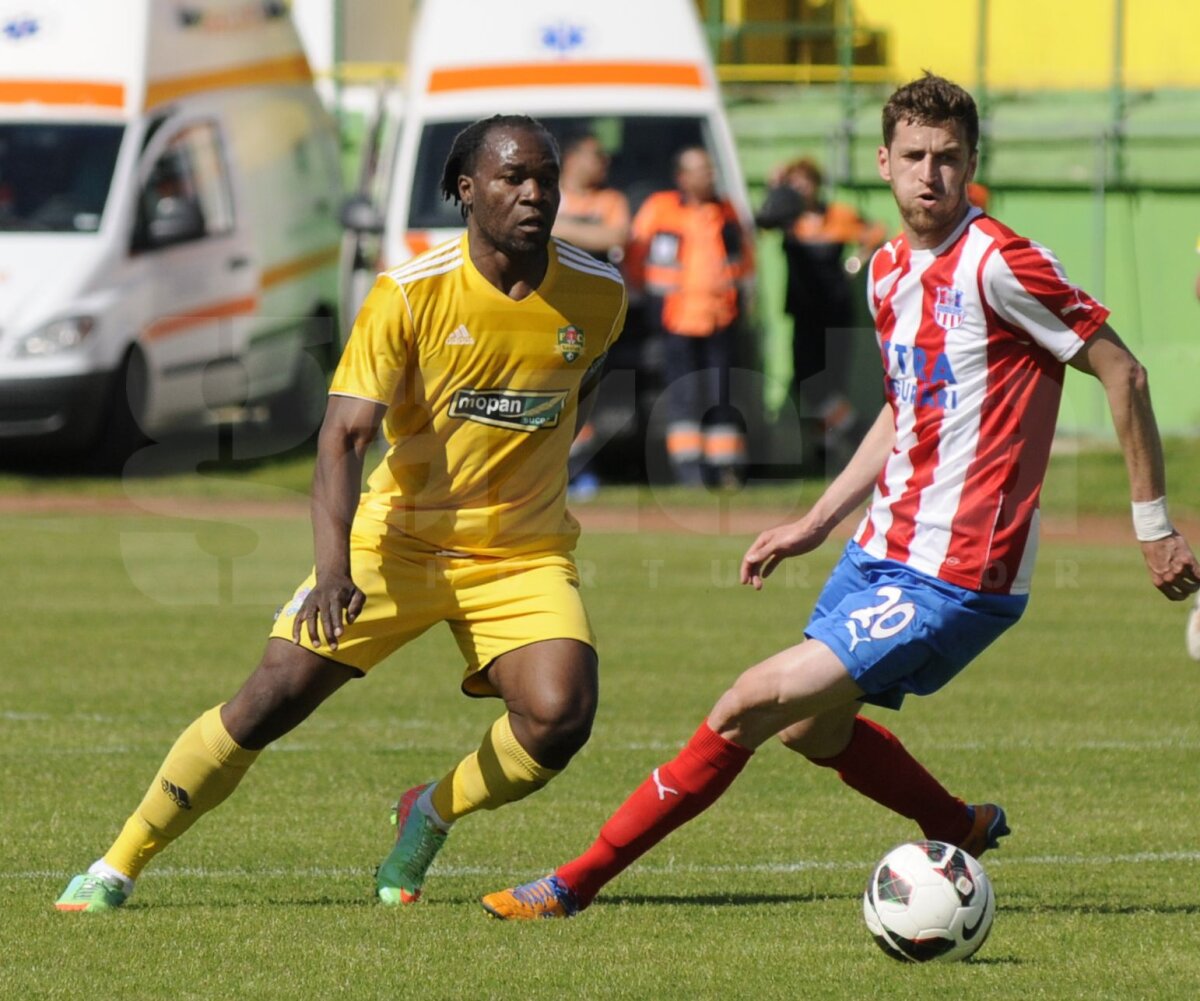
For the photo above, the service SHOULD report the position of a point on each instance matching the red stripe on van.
(567, 74)
(108, 95)
(165, 326)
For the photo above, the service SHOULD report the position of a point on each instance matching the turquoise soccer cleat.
(418, 840)
(92, 893)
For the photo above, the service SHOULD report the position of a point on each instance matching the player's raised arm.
(851, 487)
(349, 428)
(1170, 560)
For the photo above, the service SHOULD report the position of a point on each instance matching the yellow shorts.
(491, 605)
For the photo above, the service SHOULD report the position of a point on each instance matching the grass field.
(122, 628)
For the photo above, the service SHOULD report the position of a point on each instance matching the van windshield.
(641, 148)
(55, 177)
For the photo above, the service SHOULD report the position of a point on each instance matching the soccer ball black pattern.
(928, 900)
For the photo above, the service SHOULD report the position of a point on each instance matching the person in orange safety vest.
(690, 254)
(595, 218)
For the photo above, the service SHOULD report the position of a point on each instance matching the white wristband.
(1150, 520)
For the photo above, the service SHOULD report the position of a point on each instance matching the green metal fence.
(1109, 179)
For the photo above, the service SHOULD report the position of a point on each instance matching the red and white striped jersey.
(974, 337)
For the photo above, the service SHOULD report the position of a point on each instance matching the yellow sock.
(500, 772)
(203, 768)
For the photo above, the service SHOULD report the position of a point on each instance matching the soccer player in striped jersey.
(476, 359)
(975, 327)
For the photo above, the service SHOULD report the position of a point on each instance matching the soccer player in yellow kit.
(474, 358)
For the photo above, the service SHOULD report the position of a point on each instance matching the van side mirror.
(175, 220)
(164, 221)
(360, 215)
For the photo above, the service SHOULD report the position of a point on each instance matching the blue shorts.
(898, 631)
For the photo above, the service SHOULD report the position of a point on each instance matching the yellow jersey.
(482, 393)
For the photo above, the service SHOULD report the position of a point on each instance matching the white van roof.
(647, 54)
(117, 58)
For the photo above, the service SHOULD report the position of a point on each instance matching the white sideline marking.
(12, 714)
(67, 752)
(770, 868)
(1160, 744)
(288, 745)
(312, 728)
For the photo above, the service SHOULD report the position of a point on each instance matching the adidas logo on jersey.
(460, 335)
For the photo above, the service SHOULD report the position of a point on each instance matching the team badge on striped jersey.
(570, 342)
(948, 307)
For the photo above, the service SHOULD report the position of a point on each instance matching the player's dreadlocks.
(931, 100)
(467, 144)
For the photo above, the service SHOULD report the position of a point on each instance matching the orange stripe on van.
(107, 95)
(300, 266)
(165, 326)
(567, 74)
(293, 69)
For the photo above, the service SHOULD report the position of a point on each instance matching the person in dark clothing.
(819, 296)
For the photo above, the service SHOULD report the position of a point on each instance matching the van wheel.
(121, 431)
(297, 412)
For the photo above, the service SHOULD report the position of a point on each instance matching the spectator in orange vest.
(591, 215)
(690, 253)
(595, 218)
(819, 299)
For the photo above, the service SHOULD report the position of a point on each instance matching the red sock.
(877, 765)
(674, 794)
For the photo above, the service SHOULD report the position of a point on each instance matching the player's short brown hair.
(931, 100)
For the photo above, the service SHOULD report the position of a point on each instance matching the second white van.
(637, 75)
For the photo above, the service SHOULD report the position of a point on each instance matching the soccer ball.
(928, 900)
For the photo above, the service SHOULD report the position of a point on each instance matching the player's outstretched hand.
(775, 545)
(1173, 566)
(333, 603)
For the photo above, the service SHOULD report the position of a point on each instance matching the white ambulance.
(169, 242)
(636, 73)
